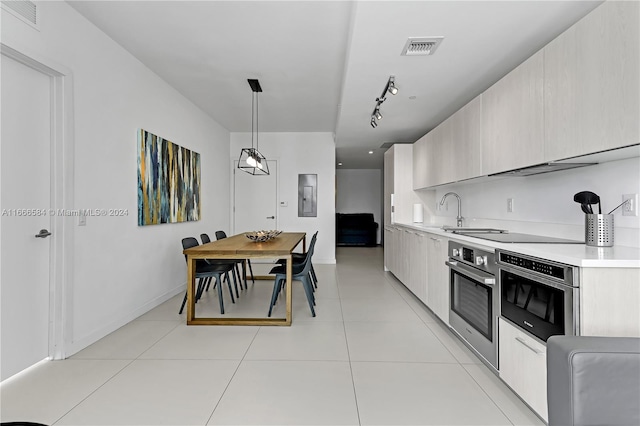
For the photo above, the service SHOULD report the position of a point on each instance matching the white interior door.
(255, 200)
(25, 199)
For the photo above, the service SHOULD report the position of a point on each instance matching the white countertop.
(571, 254)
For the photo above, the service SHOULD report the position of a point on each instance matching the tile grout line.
(346, 341)
(488, 396)
(116, 373)
(96, 389)
(233, 375)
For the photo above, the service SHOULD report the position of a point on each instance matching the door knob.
(43, 233)
(271, 217)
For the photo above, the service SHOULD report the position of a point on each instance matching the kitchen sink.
(468, 230)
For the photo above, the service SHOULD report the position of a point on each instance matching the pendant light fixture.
(251, 160)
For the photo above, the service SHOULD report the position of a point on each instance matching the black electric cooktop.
(522, 238)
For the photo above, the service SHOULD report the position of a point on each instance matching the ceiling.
(322, 64)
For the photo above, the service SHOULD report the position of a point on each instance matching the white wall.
(360, 191)
(121, 270)
(301, 153)
(544, 203)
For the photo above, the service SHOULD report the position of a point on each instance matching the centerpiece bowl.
(262, 236)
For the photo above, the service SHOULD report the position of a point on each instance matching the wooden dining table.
(241, 247)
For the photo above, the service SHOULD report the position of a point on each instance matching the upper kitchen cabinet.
(440, 154)
(592, 78)
(421, 162)
(398, 184)
(451, 151)
(512, 119)
(467, 143)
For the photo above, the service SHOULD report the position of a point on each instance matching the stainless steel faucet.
(459, 219)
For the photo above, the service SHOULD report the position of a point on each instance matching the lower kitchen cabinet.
(388, 247)
(523, 366)
(438, 276)
(418, 265)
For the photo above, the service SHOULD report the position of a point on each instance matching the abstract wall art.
(168, 181)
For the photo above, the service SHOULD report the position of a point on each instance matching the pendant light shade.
(251, 160)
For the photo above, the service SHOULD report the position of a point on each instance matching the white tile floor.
(374, 355)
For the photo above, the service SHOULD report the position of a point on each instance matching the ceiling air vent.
(23, 9)
(421, 46)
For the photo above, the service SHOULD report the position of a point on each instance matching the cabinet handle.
(524, 342)
(434, 239)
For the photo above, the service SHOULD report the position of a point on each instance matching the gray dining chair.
(219, 236)
(235, 271)
(205, 272)
(299, 272)
(300, 257)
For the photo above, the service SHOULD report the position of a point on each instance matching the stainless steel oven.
(474, 302)
(540, 296)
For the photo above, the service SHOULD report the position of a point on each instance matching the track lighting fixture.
(392, 87)
(389, 87)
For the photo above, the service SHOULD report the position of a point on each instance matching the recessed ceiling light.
(412, 97)
(370, 152)
(339, 164)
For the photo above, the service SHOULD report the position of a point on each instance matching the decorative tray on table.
(262, 236)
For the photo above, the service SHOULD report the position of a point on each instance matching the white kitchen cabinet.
(388, 250)
(452, 151)
(440, 152)
(398, 180)
(421, 162)
(418, 265)
(438, 276)
(405, 249)
(609, 302)
(512, 119)
(523, 366)
(591, 83)
(394, 249)
(389, 186)
(466, 141)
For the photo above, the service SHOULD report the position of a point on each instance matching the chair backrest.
(205, 238)
(307, 260)
(220, 235)
(187, 243)
(313, 241)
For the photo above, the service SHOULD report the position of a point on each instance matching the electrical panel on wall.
(307, 195)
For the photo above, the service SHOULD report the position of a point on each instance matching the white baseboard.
(77, 345)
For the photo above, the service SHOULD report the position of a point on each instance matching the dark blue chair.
(299, 258)
(300, 272)
(220, 235)
(205, 272)
(235, 271)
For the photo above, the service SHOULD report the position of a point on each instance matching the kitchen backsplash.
(543, 204)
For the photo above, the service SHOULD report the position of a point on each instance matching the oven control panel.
(478, 258)
(547, 268)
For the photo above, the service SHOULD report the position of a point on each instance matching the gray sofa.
(593, 381)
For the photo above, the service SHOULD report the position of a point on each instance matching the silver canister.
(598, 230)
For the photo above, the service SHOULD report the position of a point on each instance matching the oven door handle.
(484, 279)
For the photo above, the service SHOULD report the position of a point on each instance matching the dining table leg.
(289, 288)
(191, 280)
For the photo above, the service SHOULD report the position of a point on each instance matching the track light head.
(377, 114)
(373, 123)
(392, 88)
